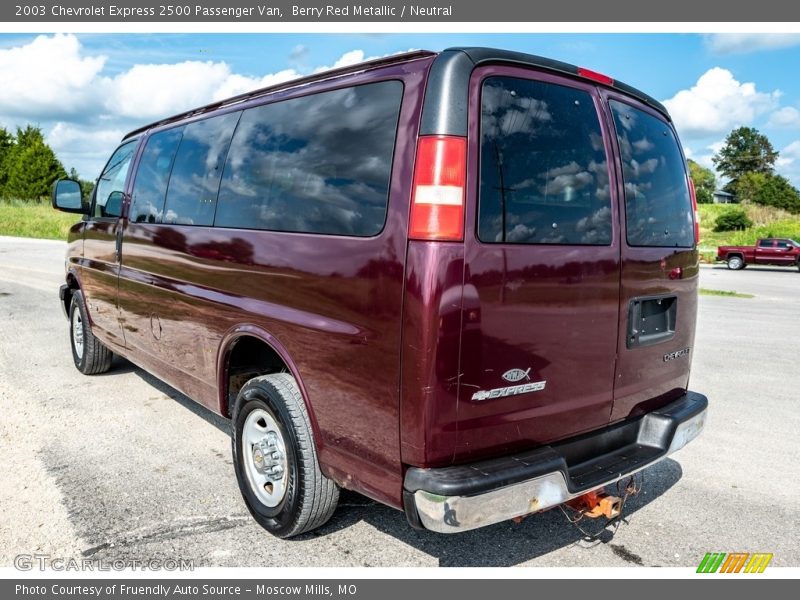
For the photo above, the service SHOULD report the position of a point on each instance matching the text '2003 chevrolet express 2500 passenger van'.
(463, 284)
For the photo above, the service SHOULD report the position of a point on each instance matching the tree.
(747, 187)
(734, 219)
(31, 166)
(778, 192)
(704, 182)
(86, 186)
(6, 143)
(769, 190)
(745, 151)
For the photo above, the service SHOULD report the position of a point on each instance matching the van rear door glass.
(196, 172)
(658, 208)
(317, 164)
(543, 167)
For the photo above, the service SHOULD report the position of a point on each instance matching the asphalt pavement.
(123, 466)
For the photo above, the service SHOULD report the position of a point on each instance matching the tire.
(735, 263)
(302, 498)
(89, 354)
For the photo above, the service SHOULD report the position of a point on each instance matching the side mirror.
(67, 196)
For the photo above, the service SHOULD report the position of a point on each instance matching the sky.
(87, 90)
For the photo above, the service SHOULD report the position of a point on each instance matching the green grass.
(37, 219)
(34, 219)
(708, 292)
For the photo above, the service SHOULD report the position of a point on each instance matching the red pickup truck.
(767, 251)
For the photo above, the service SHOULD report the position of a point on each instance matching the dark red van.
(463, 284)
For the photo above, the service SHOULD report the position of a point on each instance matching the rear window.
(658, 209)
(544, 174)
(316, 164)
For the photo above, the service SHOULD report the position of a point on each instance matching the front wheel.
(89, 354)
(276, 460)
(735, 263)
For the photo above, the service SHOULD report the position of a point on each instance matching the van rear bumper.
(463, 497)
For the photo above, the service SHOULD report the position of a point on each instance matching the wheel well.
(73, 286)
(248, 357)
(732, 254)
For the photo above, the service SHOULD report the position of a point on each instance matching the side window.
(196, 171)
(317, 164)
(111, 183)
(765, 244)
(152, 176)
(543, 168)
(783, 244)
(658, 208)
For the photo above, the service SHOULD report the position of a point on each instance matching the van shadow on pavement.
(504, 544)
(535, 536)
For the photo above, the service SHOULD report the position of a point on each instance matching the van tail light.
(437, 201)
(693, 195)
(595, 76)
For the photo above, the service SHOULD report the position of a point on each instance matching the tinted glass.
(765, 244)
(196, 171)
(152, 176)
(318, 164)
(658, 208)
(544, 175)
(111, 184)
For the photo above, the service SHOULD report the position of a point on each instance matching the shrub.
(732, 220)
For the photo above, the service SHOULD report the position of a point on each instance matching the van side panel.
(432, 318)
(331, 301)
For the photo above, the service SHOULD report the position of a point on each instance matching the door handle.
(119, 242)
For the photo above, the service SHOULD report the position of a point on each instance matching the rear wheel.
(89, 354)
(735, 263)
(276, 460)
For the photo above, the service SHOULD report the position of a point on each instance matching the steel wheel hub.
(264, 453)
(77, 333)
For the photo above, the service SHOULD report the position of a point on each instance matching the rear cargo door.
(658, 294)
(542, 264)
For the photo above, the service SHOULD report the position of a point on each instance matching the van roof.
(450, 63)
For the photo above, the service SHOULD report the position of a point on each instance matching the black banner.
(442, 11)
(363, 589)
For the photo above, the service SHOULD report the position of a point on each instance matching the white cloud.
(84, 111)
(788, 116)
(345, 60)
(792, 150)
(149, 91)
(64, 135)
(83, 147)
(239, 84)
(790, 155)
(718, 103)
(704, 155)
(299, 54)
(740, 43)
(49, 76)
(788, 162)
